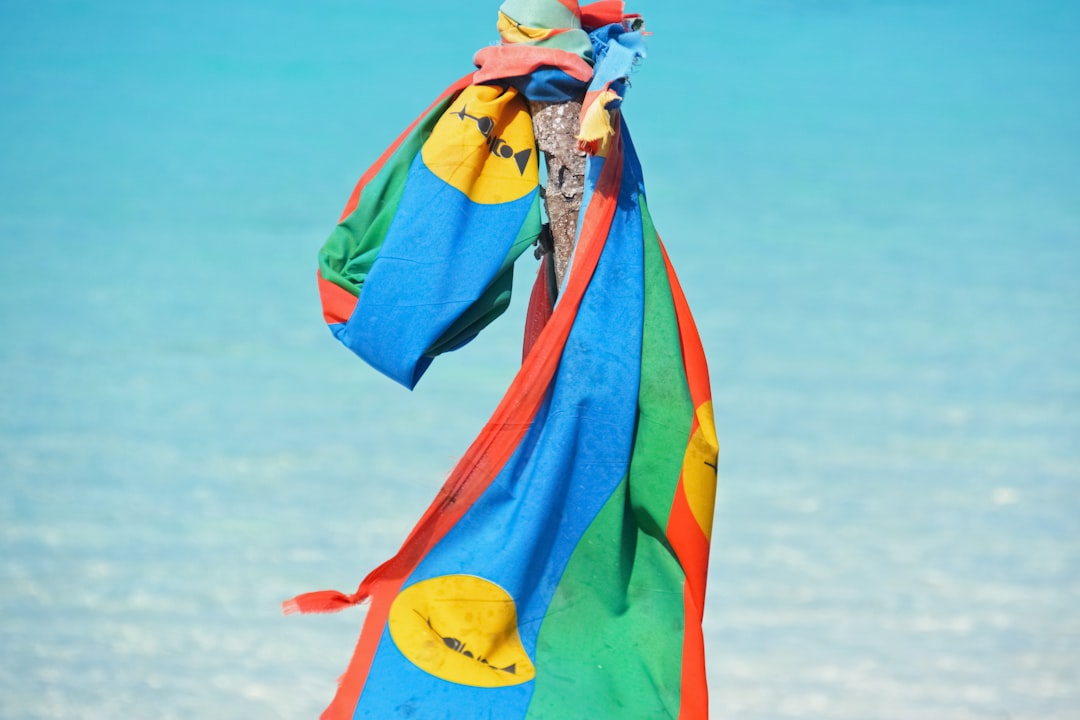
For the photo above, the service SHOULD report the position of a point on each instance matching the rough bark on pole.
(556, 126)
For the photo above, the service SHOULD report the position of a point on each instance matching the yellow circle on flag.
(462, 629)
(699, 469)
(484, 146)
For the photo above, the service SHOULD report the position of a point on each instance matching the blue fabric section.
(440, 254)
(616, 50)
(549, 84)
(521, 532)
(631, 163)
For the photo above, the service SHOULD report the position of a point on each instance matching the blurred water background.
(875, 211)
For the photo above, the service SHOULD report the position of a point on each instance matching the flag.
(560, 572)
(445, 211)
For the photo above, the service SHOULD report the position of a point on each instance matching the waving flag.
(445, 212)
(560, 572)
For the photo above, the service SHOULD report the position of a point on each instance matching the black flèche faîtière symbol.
(459, 647)
(498, 146)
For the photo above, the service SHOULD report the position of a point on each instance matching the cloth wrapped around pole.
(560, 572)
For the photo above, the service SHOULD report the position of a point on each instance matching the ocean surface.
(875, 211)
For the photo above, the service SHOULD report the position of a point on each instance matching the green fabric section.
(611, 642)
(496, 298)
(665, 408)
(349, 252)
(540, 13)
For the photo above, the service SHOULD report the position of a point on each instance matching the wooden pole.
(556, 126)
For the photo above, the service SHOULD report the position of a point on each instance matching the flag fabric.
(560, 572)
(445, 212)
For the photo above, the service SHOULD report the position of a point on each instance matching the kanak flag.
(560, 572)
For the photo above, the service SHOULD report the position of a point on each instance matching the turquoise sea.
(875, 211)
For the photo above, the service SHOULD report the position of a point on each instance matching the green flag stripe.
(665, 408)
(611, 642)
(614, 629)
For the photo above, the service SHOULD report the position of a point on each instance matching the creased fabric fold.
(560, 571)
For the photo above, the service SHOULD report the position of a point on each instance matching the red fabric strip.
(694, 693)
(572, 6)
(321, 601)
(337, 302)
(605, 12)
(540, 307)
(498, 62)
(697, 370)
(690, 545)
